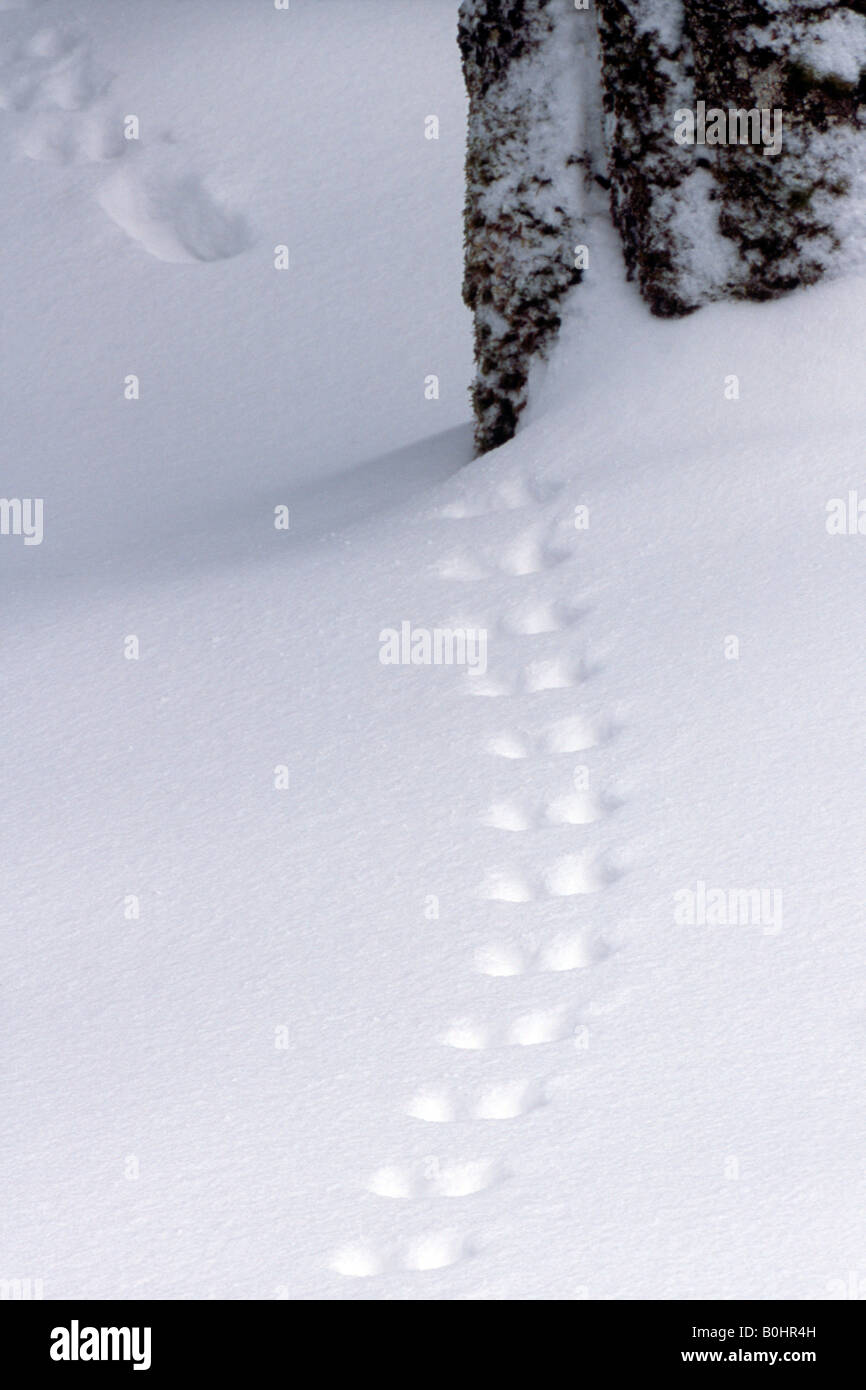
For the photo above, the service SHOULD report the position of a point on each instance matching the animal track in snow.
(555, 673)
(435, 1250)
(575, 808)
(508, 495)
(510, 745)
(566, 951)
(510, 1100)
(168, 210)
(529, 618)
(575, 874)
(72, 138)
(536, 617)
(542, 1026)
(155, 198)
(571, 735)
(432, 1179)
(53, 69)
(531, 553)
(527, 1030)
(467, 1036)
(507, 1101)
(570, 876)
(436, 1107)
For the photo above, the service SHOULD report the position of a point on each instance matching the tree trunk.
(698, 222)
(523, 180)
(731, 220)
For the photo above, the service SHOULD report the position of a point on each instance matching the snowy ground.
(425, 1024)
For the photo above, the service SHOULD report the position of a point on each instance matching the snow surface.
(423, 1025)
(836, 47)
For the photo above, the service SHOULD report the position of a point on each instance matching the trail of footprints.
(574, 808)
(48, 72)
(531, 553)
(511, 956)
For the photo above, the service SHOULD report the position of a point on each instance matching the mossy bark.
(697, 222)
(522, 186)
(760, 224)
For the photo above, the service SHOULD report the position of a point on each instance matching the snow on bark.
(786, 214)
(662, 197)
(703, 222)
(558, 96)
(525, 167)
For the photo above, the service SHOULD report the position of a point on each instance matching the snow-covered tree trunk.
(749, 219)
(788, 216)
(660, 194)
(524, 172)
(760, 211)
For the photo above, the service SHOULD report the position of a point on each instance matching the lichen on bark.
(524, 170)
(781, 216)
(697, 222)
